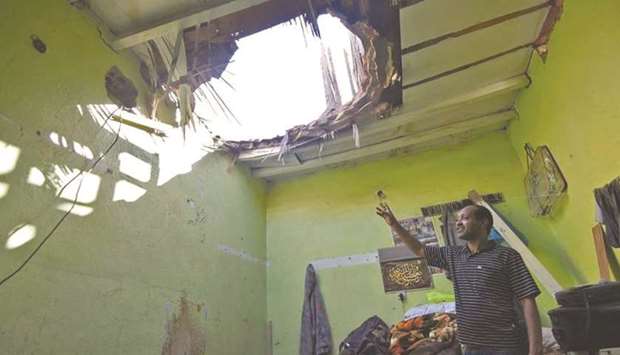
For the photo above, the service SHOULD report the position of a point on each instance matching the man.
(487, 278)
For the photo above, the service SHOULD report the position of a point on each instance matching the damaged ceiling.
(434, 72)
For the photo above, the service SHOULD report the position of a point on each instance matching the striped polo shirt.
(486, 286)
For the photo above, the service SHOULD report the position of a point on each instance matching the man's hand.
(384, 211)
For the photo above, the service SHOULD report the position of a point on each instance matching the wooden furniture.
(598, 234)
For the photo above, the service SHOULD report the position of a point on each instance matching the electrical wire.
(61, 220)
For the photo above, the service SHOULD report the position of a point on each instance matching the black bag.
(370, 338)
(588, 318)
(605, 292)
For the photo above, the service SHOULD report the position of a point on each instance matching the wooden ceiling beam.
(419, 138)
(184, 22)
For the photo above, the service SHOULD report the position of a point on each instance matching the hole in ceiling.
(276, 80)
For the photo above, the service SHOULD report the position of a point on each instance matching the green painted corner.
(572, 107)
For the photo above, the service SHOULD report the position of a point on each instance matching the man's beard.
(465, 236)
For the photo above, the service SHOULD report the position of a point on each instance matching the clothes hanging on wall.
(608, 200)
(316, 336)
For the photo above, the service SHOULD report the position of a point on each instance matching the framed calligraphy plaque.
(401, 270)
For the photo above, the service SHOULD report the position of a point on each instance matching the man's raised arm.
(384, 211)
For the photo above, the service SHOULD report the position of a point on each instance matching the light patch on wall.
(8, 157)
(100, 113)
(134, 167)
(80, 109)
(77, 148)
(126, 191)
(4, 189)
(55, 138)
(36, 177)
(139, 138)
(21, 235)
(82, 150)
(78, 210)
(176, 152)
(89, 185)
(181, 151)
(58, 140)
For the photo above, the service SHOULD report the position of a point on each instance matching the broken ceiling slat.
(252, 20)
(422, 137)
(184, 22)
(409, 114)
(476, 27)
(298, 159)
(545, 33)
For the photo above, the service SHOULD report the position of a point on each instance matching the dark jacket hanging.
(316, 336)
(608, 199)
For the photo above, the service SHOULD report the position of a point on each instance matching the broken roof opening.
(203, 74)
(280, 78)
(450, 87)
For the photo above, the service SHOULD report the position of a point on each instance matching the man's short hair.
(483, 214)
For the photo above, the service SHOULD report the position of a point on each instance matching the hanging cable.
(61, 220)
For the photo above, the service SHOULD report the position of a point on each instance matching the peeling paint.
(184, 334)
(241, 254)
(200, 213)
(346, 261)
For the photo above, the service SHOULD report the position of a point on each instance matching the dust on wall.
(185, 335)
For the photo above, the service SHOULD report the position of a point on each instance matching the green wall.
(111, 281)
(331, 214)
(573, 107)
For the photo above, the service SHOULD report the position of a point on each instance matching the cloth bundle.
(433, 333)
